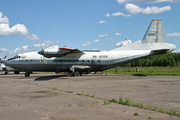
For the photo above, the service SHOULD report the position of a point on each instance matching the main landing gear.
(76, 73)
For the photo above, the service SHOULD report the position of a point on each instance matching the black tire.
(27, 74)
(6, 73)
(76, 73)
(16, 72)
(69, 74)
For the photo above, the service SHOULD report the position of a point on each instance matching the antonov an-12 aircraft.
(75, 62)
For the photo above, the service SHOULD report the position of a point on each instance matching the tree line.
(170, 59)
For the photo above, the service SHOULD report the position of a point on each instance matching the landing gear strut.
(27, 74)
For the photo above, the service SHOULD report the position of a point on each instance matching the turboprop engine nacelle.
(62, 51)
(52, 53)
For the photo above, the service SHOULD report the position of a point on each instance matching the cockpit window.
(15, 57)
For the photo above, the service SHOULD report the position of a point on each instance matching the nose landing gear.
(27, 74)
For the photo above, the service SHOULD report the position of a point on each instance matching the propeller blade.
(42, 48)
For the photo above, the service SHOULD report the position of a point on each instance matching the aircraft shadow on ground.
(46, 78)
(140, 75)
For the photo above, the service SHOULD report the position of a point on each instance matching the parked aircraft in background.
(75, 62)
(8, 69)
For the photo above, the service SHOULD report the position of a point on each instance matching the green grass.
(54, 89)
(80, 105)
(169, 71)
(148, 107)
(149, 118)
(78, 93)
(69, 105)
(92, 104)
(4, 105)
(68, 91)
(136, 114)
(125, 102)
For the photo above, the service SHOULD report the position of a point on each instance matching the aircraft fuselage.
(88, 61)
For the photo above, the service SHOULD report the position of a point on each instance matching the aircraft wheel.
(6, 72)
(76, 73)
(27, 74)
(70, 74)
(16, 72)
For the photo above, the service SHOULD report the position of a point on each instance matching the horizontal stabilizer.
(160, 51)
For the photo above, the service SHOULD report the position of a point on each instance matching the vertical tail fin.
(153, 39)
(155, 33)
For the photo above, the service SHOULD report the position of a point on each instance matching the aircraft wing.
(69, 50)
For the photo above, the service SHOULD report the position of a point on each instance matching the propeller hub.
(40, 52)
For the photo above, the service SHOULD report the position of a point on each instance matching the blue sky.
(82, 24)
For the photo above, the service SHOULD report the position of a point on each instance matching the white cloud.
(4, 50)
(120, 13)
(146, 1)
(110, 39)
(87, 43)
(105, 35)
(122, 43)
(118, 34)
(107, 15)
(96, 41)
(3, 20)
(25, 47)
(16, 51)
(18, 29)
(57, 41)
(135, 9)
(5, 30)
(54, 47)
(155, 9)
(36, 45)
(39, 45)
(100, 22)
(173, 34)
(21, 50)
(100, 35)
(49, 42)
(32, 37)
(46, 44)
